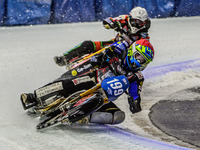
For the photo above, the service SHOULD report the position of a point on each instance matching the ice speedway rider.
(130, 28)
(122, 59)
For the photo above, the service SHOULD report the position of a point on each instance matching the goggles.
(136, 61)
(136, 23)
(139, 57)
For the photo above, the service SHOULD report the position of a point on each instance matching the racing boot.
(134, 105)
(28, 100)
(60, 60)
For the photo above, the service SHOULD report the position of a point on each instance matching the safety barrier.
(27, 12)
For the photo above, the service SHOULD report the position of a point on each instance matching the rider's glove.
(134, 105)
(119, 47)
(117, 26)
(109, 23)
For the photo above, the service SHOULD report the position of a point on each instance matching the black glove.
(134, 104)
(117, 26)
(109, 23)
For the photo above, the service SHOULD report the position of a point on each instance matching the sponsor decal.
(125, 82)
(109, 91)
(81, 80)
(49, 89)
(84, 68)
(74, 72)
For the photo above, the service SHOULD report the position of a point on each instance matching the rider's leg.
(86, 47)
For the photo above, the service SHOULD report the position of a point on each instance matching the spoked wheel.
(77, 111)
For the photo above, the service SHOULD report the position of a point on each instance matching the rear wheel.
(88, 106)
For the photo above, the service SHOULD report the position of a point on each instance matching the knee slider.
(101, 117)
(119, 117)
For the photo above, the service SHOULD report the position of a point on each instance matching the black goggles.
(136, 22)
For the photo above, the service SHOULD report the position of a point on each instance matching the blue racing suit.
(115, 56)
(136, 81)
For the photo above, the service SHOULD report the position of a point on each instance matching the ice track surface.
(26, 63)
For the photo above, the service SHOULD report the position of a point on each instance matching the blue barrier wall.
(26, 12)
(73, 11)
(157, 8)
(113, 8)
(2, 11)
(188, 7)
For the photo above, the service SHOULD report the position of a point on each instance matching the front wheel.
(77, 111)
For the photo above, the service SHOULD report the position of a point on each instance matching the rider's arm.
(117, 49)
(135, 88)
(115, 23)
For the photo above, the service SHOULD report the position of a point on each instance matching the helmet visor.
(139, 57)
(133, 64)
(136, 61)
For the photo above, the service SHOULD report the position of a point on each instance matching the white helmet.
(137, 20)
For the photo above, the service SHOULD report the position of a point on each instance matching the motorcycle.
(81, 104)
(78, 70)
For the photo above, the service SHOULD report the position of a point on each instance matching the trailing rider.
(130, 28)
